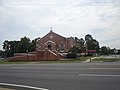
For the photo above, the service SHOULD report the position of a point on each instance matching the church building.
(54, 41)
(50, 47)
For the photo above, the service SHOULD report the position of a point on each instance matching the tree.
(82, 45)
(82, 41)
(21, 46)
(10, 47)
(75, 49)
(79, 47)
(24, 44)
(2, 54)
(32, 46)
(6, 45)
(105, 50)
(118, 51)
(88, 37)
(91, 44)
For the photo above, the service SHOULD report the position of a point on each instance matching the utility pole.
(115, 51)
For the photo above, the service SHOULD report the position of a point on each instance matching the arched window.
(62, 46)
(49, 47)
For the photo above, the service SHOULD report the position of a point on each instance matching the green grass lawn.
(16, 62)
(78, 60)
(106, 59)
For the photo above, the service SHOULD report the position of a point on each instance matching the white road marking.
(23, 86)
(98, 75)
(106, 68)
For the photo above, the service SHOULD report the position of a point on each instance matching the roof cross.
(51, 28)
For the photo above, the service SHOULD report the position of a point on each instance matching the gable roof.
(51, 33)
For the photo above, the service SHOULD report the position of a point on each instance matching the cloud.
(33, 18)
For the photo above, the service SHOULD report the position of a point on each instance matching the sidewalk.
(86, 61)
(89, 60)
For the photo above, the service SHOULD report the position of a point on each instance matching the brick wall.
(57, 39)
(46, 55)
(23, 58)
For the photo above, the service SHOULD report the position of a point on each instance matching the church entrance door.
(49, 47)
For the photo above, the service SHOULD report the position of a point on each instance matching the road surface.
(68, 76)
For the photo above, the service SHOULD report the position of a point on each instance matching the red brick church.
(50, 47)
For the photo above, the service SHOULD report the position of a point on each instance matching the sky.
(76, 18)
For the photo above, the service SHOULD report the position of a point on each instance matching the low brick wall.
(46, 55)
(38, 56)
(23, 58)
(18, 58)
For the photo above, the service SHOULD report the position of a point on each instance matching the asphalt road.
(69, 76)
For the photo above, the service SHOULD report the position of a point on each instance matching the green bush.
(71, 55)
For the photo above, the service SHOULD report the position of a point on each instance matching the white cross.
(51, 28)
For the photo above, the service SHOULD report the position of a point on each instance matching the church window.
(62, 46)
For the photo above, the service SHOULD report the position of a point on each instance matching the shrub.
(71, 55)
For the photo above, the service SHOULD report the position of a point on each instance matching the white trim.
(52, 52)
(23, 86)
(49, 41)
